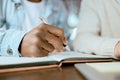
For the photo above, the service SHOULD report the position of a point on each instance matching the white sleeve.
(88, 39)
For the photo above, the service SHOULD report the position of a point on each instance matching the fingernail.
(64, 45)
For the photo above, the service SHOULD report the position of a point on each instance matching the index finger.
(57, 32)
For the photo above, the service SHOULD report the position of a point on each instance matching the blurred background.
(64, 14)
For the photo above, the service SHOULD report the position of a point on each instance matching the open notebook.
(8, 64)
(100, 71)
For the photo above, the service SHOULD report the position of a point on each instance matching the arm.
(9, 38)
(88, 39)
(37, 42)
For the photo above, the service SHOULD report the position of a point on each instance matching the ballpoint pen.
(43, 20)
(66, 47)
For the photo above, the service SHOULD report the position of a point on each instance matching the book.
(9, 64)
(100, 71)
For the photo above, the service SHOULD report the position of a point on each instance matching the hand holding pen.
(65, 46)
(43, 40)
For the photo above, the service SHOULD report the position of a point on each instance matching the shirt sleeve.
(9, 38)
(10, 41)
(88, 39)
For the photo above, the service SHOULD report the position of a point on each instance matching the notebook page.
(22, 60)
(74, 55)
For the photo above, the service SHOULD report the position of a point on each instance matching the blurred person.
(99, 29)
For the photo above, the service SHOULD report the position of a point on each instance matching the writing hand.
(42, 40)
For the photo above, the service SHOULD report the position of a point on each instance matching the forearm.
(90, 43)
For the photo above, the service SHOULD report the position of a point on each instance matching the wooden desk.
(67, 72)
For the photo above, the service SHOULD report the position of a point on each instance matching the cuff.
(11, 42)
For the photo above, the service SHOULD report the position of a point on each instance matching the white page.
(21, 60)
(54, 57)
(75, 55)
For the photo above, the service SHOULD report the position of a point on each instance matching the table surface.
(66, 72)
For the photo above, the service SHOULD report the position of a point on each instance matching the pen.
(43, 20)
(66, 47)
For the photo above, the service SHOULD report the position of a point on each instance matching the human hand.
(117, 50)
(42, 40)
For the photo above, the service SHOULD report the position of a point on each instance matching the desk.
(66, 72)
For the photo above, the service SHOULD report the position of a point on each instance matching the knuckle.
(48, 46)
(51, 48)
(58, 43)
(43, 25)
(61, 32)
